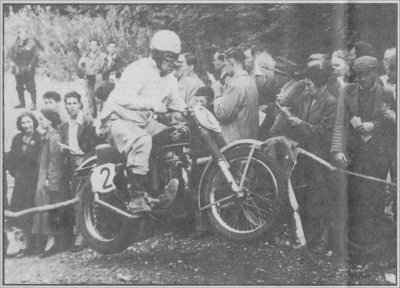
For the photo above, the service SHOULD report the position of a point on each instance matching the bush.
(290, 30)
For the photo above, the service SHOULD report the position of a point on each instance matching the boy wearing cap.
(359, 142)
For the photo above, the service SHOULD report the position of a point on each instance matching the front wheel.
(247, 217)
(106, 232)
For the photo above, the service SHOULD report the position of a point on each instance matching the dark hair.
(112, 42)
(205, 91)
(104, 89)
(52, 115)
(363, 49)
(236, 54)
(221, 56)
(318, 74)
(191, 60)
(52, 95)
(27, 114)
(73, 94)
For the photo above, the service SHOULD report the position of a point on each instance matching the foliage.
(291, 30)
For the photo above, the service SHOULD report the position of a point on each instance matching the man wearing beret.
(359, 142)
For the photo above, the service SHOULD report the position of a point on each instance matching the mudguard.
(86, 166)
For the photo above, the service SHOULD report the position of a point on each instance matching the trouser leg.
(90, 82)
(31, 85)
(20, 88)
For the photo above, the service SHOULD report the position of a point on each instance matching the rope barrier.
(43, 208)
(333, 168)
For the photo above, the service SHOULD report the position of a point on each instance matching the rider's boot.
(137, 192)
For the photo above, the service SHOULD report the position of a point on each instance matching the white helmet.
(167, 41)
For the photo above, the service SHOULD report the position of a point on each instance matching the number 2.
(106, 185)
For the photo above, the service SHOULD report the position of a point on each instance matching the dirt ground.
(169, 259)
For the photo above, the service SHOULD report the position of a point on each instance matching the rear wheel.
(247, 217)
(106, 232)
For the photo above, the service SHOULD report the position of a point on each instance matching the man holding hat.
(359, 142)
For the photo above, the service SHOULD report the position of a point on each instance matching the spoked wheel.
(106, 232)
(248, 216)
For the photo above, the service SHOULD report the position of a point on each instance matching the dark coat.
(344, 137)
(315, 132)
(23, 166)
(372, 158)
(51, 168)
(116, 66)
(314, 135)
(87, 138)
(23, 56)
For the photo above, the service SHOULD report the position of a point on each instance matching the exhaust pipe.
(115, 209)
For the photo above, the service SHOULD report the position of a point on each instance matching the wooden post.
(296, 214)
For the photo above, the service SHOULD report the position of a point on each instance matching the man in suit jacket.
(312, 127)
(359, 142)
(79, 135)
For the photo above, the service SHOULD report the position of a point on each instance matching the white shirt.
(140, 88)
(73, 132)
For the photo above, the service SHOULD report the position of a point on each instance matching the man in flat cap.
(359, 142)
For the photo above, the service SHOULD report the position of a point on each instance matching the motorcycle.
(238, 188)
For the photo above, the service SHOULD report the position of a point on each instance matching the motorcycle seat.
(108, 154)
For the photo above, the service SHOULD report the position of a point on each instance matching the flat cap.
(365, 63)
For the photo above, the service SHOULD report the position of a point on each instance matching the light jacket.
(237, 108)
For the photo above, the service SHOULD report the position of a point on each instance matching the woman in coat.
(22, 164)
(311, 126)
(50, 187)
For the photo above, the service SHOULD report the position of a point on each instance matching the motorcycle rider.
(146, 86)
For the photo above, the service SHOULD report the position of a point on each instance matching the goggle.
(170, 57)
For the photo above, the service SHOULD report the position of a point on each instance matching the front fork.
(223, 164)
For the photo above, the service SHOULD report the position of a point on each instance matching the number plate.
(102, 178)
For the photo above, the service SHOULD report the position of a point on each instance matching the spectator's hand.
(341, 82)
(217, 88)
(47, 183)
(294, 121)
(365, 128)
(280, 98)
(160, 108)
(340, 157)
(390, 115)
(30, 67)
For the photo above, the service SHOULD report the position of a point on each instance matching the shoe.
(33, 106)
(20, 105)
(169, 195)
(138, 204)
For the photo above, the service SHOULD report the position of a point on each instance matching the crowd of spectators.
(337, 107)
